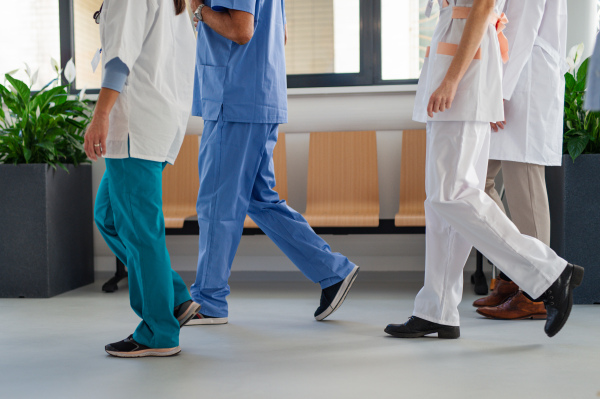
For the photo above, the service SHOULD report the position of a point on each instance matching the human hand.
(286, 35)
(195, 4)
(442, 98)
(497, 125)
(95, 138)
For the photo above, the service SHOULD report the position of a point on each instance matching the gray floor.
(273, 348)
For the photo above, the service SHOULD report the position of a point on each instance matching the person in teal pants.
(138, 127)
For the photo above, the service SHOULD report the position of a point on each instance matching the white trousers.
(460, 215)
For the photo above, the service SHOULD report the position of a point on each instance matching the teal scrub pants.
(129, 215)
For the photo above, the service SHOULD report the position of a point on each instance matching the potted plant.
(46, 215)
(573, 188)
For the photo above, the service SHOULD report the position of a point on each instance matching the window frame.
(370, 53)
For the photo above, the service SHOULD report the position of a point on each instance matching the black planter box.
(573, 192)
(46, 216)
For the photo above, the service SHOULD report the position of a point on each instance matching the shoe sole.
(188, 314)
(443, 334)
(341, 295)
(147, 353)
(207, 321)
(531, 317)
(574, 282)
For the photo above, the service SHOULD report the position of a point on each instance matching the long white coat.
(533, 83)
(158, 47)
(478, 98)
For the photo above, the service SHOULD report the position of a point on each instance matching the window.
(87, 42)
(324, 36)
(356, 42)
(331, 42)
(29, 33)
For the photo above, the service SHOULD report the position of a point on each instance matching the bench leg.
(121, 273)
(478, 278)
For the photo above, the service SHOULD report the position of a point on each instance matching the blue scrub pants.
(129, 215)
(237, 178)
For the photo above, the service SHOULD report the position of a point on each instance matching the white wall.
(583, 21)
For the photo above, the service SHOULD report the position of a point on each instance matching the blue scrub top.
(248, 82)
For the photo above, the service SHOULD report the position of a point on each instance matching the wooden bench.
(280, 166)
(180, 185)
(412, 179)
(342, 188)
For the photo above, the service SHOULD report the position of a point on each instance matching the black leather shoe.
(416, 327)
(558, 299)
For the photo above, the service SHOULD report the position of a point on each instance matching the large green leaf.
(579, 87)
(570, 81)
(582, 71)
(20, 87)
(27, 154)
(576, 145)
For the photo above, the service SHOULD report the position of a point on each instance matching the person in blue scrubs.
(138, 127)
(240, 91)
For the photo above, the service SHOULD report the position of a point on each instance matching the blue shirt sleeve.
(241, 5)
(115, 74)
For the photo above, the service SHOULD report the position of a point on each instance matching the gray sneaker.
(184, 312)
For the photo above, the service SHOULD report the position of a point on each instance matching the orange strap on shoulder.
(499, 22)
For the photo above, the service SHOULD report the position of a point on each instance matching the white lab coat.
(533, 83)
(478, 97)
(158, 47)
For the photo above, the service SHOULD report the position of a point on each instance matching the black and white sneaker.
(129, 348)
(199, 319)
(333, 297)
(184, 312)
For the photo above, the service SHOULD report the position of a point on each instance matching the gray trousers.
(525, 187)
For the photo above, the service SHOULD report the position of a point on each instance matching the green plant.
(47, 126)
(581, 127)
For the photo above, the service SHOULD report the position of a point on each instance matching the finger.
(442, 105)
(98, 149)
(92, 154)
(103, 146)
(500, 125)
(448, 104)
(436, 105)
(87, 147)
(430, 108)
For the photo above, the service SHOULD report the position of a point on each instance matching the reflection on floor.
(273, 348)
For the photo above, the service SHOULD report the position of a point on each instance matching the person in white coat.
(458, 96)
(138, 127)
(533, 87)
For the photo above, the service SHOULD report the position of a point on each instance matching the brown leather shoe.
(517, 307)
(503, 290)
